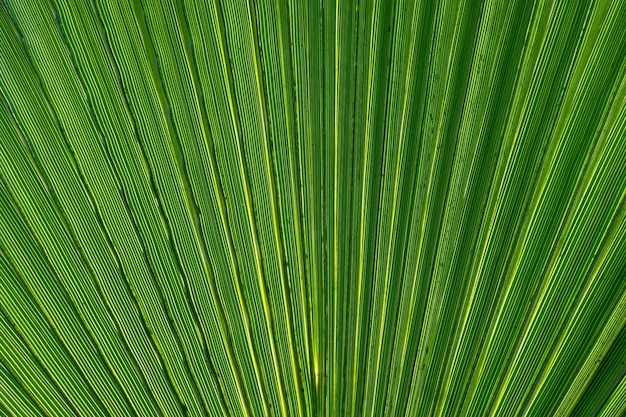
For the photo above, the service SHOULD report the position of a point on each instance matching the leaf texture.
(312, 208)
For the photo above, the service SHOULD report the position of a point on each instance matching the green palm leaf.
(312, 208)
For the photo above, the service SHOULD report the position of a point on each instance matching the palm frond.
(312, 208)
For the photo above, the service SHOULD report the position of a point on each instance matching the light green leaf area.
(312, 208)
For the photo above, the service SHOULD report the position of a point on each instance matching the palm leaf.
(322, 208)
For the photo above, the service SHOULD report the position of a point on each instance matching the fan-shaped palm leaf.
(312, 208)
